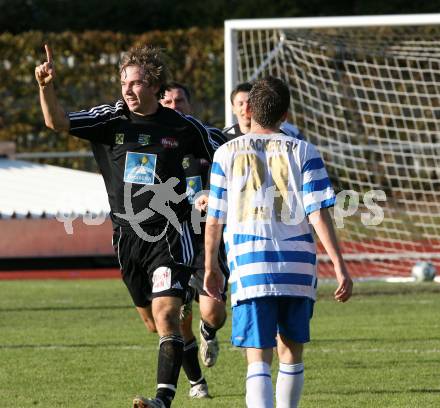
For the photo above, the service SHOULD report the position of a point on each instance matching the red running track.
(325, 270)
(358, 268)
(110, 273)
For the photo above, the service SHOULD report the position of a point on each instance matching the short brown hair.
(152, 62)
(269, 100)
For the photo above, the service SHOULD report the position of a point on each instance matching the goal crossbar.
(231, 26)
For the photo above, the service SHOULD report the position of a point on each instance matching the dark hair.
(151, 60)
(269, 100)
(177, 85)
(243, 87)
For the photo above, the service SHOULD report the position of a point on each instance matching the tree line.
(138, 16)
(87, 75)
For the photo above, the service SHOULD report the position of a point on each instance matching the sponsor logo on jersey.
(140, 168)
(193, 186)
(144, 139)
(119, 138)
(169, 142)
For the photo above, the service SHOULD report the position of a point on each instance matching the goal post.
(366, 91)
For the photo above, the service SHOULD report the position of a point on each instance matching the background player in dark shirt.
(213, 313)
(144, 145)
(239, 101)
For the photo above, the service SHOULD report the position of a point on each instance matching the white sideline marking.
(224, 347)
(390, 279)
(378, 350)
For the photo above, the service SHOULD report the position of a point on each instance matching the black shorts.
(155, 269)
(197, 277)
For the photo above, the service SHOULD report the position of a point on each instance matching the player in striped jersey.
(266, 187)
(139, 146)
(239, 101)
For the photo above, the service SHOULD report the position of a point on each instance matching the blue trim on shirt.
(216, 213)
(276, 256)
(276, 279)
(316, 185)
(241, 238)
(313, 164)
(216, 191)
(233, 287)
(217, 169)
(305, 238)
(323, 204)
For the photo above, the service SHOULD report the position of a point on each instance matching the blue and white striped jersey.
(263, 187)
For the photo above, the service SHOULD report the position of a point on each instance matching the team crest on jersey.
(185, 162)
(193, 186)
(169, 142)
(119, 138)
(144, 139)
(140, 168)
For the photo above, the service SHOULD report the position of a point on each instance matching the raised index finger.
(48, 53)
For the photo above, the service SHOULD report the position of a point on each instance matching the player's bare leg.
(213, 317)
(147, 317)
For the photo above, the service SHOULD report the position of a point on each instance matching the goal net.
(366, 91)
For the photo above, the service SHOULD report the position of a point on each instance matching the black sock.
(169, 363)
(207, 331)
(191, 363)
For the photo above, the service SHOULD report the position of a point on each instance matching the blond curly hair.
(152, 62)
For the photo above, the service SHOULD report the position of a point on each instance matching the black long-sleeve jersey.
(137, 155)
(197, 170)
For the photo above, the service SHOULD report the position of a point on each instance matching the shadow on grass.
(377, 288)
(425, 391)
(228, 396)
(76, 346)
(63, 308)
(321, 342)
(387, 392)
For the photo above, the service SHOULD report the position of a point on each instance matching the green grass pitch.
(79, 344)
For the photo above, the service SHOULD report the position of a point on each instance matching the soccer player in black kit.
(139, 146)
(212, 312)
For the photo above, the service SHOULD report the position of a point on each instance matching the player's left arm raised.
(54, 115)
(323, 225)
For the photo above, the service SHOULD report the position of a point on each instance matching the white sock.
(290, 383)
(259, 390)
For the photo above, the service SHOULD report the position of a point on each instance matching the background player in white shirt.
(266, 187)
